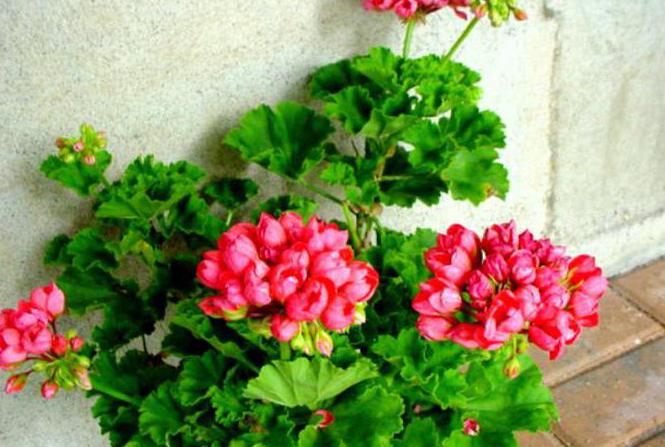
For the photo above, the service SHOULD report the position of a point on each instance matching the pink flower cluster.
(407, 9)
(28, 333)
(485, 291)
(298, 279)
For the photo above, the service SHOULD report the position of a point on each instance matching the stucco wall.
(579, 87)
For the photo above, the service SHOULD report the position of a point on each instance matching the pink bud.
(324, 343)
(59, 143)
(471, 427)
(84, 380)
(49, 299)
(327, 416)
(520, 14)
(78, 146)
(16, 383)
(49, 389)
(59, 345)
(90, 160)
(270, 232)
(76, 343)
(283, 328)
(512, 368)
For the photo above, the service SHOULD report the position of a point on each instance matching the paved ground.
(610, 386)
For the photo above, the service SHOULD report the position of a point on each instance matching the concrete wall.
(579, 87)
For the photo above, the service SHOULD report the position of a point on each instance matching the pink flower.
(553, 329)
(49, 389)
(339, 314)
(308, 304)
(480, 289)
(327, 416)
(50, 299)
(522, 267)
(529, 301)
(362, 283)
(452, 265)
(437, 298)
(503, 318)
(555, 295)
(433, 328)
(37, 339)
(283, 328)
(496, 267)
(16, 383)
(585, 308)
(406, 8)
(381, 5)
(501, 239)
(470, 427)
(59, 345)
(306, 274)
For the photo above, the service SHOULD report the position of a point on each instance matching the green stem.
(393, 178)
(351, 224)
(472, 24)
(229, 218)
(284, 351)
(321, 192)
(116, 394)
(105, 182)
(145, 345)
(408, 37)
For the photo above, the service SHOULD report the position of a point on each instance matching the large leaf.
(288, 140)
(77, 175)
(198, 375)
(305, 382)
(160, 416)
(370, 419)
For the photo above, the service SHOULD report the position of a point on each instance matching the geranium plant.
(277, 328)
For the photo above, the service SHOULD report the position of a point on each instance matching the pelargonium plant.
(278, 328)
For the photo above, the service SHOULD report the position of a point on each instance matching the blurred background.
(579, 86)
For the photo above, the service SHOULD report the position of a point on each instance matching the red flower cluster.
(485, 291)
(297, 279)
(28, 333)
(409, 8)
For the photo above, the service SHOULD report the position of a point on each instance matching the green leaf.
(88, 250)
(370, 419)
(475, 176)
(191, 216)
(87, 290)
(148, 188)
(523, 403)
(351, 106)
(420, 433)
(381, 66)
(305, 382)
(160, 416)
(288, 140)
(339, 173)
(483, 439)
(275, 206)
(77, 175)
(56, 251)
(227, 405)
(231, 193)
(198, 375)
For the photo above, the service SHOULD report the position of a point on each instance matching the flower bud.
(327, 416)
(324, 343)
(76, 343)
(49, 389)
(512, 368)
(520, 14)
(68, 158)
(471, 427)
(40, 365)
(16, 383)
(59, 345)
(89, 159)
(83, 379)
(359, 316)
(60, 143)
(260, 326)
(78, 146)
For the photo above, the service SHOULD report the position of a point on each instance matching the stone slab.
(646, 287)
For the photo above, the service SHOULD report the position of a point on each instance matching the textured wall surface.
(579, 87)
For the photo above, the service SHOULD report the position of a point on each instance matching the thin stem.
(145, 344)
(284, 351)
(116, 394)
(408, 37)
(229, 218)
(472, 24)
(393, 178)
(322, 192)
(352, 225)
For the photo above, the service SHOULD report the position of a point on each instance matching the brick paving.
(610, 385)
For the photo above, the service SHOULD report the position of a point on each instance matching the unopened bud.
(520, 14)
(78, 146)
(260, 326)
(68, 158)
(324, 343)
(60, 143)
(89, 159)
(327, 416)
(15, 384)
(512, 368)
(359, 316)
(49, 389)
(83, 379)
(471, 427)
(59, 345)
(76, 343)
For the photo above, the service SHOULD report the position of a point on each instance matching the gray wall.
(580, 87)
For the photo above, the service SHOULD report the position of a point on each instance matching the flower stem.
(322, 192)
(352, 226)
(408, 37)
(284, 351)
(111, 392)
(472, 24)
